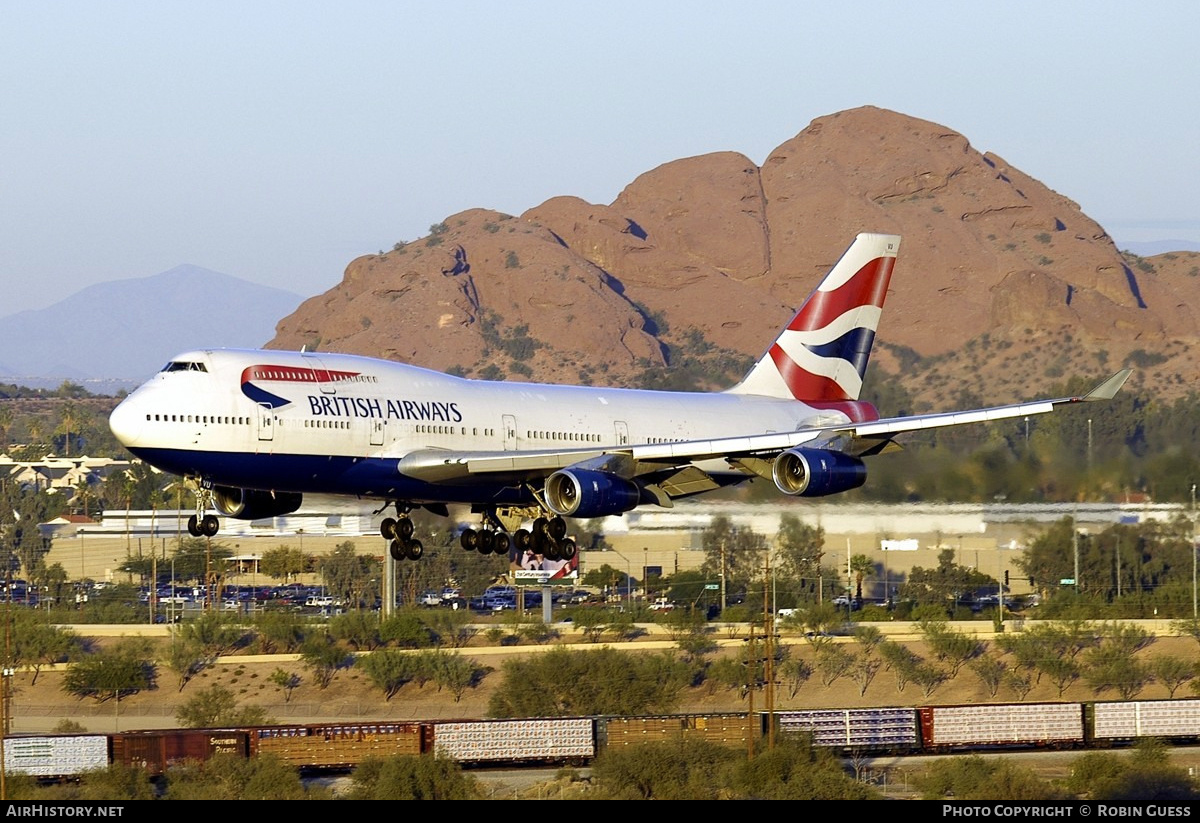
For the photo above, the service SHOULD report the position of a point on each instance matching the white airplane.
(255, 430)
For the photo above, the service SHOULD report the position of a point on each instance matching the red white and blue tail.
(821, 356)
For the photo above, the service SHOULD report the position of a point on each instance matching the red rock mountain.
(1003, 289)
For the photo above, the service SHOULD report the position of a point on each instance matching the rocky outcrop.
(1003, 286)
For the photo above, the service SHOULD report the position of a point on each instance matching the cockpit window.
(184, 365)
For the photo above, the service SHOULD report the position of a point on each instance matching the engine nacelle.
(817, 472)
(586, 493)
(252, 504)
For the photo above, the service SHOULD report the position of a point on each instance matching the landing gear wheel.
(541, 527)
(387, 528)
(487, 542)
(558, 528)
(209, 526)
(551, 552)
(521, 539)
(501, 544)
(567, 549)
(404, 528)
(415, 549)
(194, 526)
(396, 549)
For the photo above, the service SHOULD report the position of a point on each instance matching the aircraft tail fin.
(821, 355)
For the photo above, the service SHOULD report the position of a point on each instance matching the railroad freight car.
(732, 729)
(1002, 725)
(55, 756)
(538, 740)
(892, 730)
(156, 751)
(339, 746)
(1126, 722)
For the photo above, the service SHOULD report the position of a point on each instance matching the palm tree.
(860, 566)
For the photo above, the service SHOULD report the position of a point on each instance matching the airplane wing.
(674, 463)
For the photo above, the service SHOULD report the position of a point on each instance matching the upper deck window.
(184, 365)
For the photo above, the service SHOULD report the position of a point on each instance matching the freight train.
(340, 747)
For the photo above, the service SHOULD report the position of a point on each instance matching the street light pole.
(1194, 613)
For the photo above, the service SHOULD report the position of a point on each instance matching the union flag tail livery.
(822, 354)
(253, 431)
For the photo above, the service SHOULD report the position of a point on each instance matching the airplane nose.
(126, 423)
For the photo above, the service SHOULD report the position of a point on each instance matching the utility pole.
(751, 685)
(769, 658)
(722, 578)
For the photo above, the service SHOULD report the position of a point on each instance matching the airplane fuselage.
(341, 424)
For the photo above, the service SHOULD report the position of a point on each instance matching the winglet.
(1109, 388)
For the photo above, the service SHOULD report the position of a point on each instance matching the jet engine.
(587, 493)
(252, 504)
(817, 472)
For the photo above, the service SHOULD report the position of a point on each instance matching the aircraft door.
(510, 432)
(376, 432)
(622, 432)
(266, 422)
(323, 378)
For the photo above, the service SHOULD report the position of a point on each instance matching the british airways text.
(323, 406)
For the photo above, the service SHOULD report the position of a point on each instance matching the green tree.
(230, 777)
(412, 777)
(122, 669)
(359, 629)
(213, 632)
(451, 627)
(279, 632)
(217, 706)
(285, 680)
(990, 671)
(686, 770)
(954, 648)
(323, 658)
(388, 670)
(1172, 671)
(565, 683)
(187, 658)
(734, 552)
(977, 778)
(34, 643)
(860, 566)
(352, 578)
(283, 563)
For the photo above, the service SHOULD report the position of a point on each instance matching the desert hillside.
(1004, 287)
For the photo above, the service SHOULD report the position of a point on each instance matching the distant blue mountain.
(125, 330)
(1149, 248)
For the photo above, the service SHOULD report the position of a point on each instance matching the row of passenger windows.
(577, 437)
(199, 418)
(326, 424)
(420, 428)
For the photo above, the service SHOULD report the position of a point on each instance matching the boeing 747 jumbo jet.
(255, 430)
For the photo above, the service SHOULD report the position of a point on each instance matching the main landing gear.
(400, 534)
(548, 536)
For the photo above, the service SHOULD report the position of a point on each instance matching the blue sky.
(277, 141)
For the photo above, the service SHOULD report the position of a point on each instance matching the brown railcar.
(340, 745)
(732, 729)
(158, 750)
